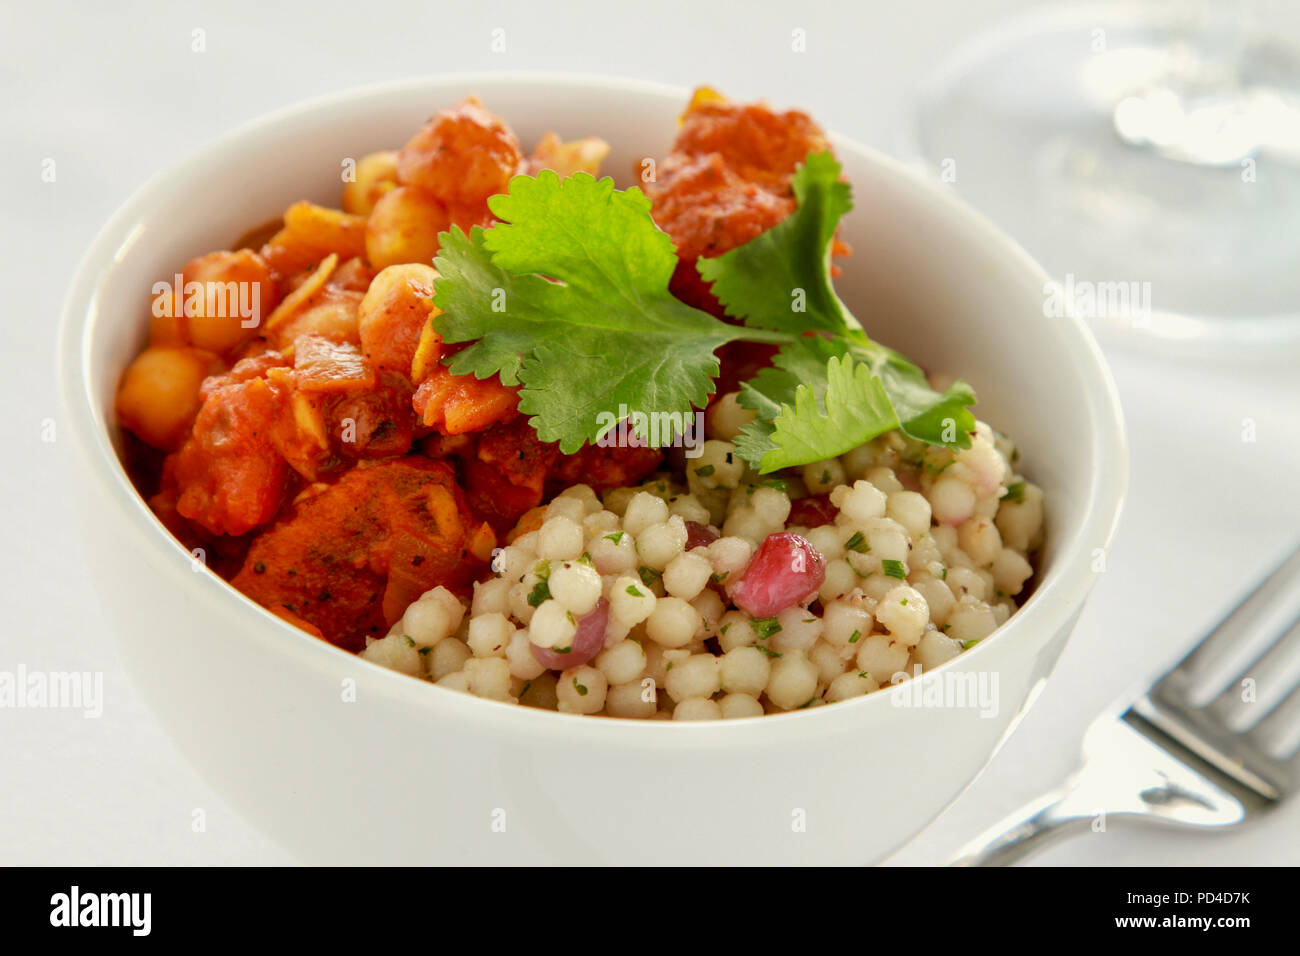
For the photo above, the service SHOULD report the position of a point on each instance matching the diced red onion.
(698, 535)
(812, 512)
(587, 642)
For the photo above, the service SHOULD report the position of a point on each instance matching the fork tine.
(1278, 731)
(1278, 594)
(1266, 665)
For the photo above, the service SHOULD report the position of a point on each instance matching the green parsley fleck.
(541, 592)
(1015, 493)
(765, 627)
(615, 536)
(895, 569)
(853, 638)
(704, 470)
(858, 543)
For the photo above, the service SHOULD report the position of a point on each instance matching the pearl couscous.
(712, 592)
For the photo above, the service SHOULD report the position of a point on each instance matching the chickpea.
(404, 227)
(461, 156)
(376, 174)
(159, 395)
(394, 312)
(230, 285)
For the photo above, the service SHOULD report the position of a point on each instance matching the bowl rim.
(1059, 595)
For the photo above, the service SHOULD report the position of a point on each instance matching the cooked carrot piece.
(320, 365)
(726, 181)
(349, 558)
(456, 404)
(230, 475)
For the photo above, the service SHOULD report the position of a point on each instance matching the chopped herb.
(525, 688)
(563, 650)
(826, 478)
(425, 650)
(581, 689)
(903, 603)
(943, 574)
(723, 629)
(895, 569)
(853, 638)
(541, 592)
(769, 653)
(967, 645)
(409, 642)
(1015, 493)
(718, 577)
(704, 470)
(586, 558)
(858, 543)
(615, 536)
(649, 575)
(807, 703)
(635, 591)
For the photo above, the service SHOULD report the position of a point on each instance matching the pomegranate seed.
(785, 571)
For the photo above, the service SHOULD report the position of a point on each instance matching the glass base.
(1151, 165)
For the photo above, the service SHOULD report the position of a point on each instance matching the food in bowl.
(500, 425)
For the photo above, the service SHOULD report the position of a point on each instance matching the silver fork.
(1168, 757)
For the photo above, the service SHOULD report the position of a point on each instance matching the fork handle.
(1027, 830)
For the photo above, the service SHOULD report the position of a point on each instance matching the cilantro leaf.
(755, 282)
(568, 297)
(781, 279)
(804, 366)
(924, 414)
(852, 409)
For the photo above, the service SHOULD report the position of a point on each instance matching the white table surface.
(114, 93)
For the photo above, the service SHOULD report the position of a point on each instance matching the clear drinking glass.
(1148, 154)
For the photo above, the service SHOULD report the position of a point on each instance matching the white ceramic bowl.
(411, 773)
